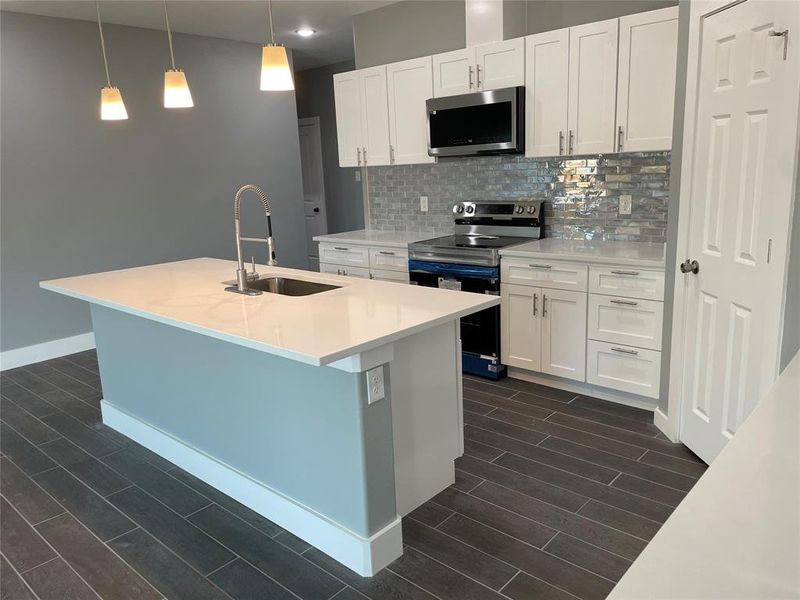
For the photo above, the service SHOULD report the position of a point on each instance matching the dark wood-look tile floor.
(555, 496)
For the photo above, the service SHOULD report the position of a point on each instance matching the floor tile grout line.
(22, 579)
(556, 529)
(131, 530)
(27, 370)
(539, 443)
(39, 395)
(194, 512)
(219, 568)
(39, 417)
(41, 564)
(27, 439)
(446, 519)
(416, 585)
(571, 595)
(48, 518)
(72, 376)
(561, 508)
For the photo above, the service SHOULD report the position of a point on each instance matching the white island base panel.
(299, 444)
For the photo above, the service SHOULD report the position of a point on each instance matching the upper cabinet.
(362, 117)
(646, 82)
(547, 93)
(410, 84)
(478, 68)
(592, 87)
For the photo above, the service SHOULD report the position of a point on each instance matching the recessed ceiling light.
(305, 31)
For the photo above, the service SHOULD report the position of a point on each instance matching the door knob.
(316, 209)
(690, 266)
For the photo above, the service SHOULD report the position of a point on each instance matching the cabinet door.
(500, 65)
(593, 86)
(520, 326)
(374, 116)
(547, 90)
(347, 96)
(454, 72)
(648, 43)
(564, 334)
(383, 275)
(410, 84)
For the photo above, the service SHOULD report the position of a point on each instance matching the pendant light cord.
(102, 42)
(271, 27)
(169, 35)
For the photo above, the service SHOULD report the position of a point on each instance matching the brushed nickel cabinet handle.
(341, 248)
(561, 142)
(535, 298)
(624, 350)
(625, 302)
(544, 305)
(478, 76)
(619, 139)
(541, 266)
(571, 141)
(471, 84)
(358, 150)
(633, 273)
(386, 252)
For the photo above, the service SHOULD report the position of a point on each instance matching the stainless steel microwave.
(491, 122)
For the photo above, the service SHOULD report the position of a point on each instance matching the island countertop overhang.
(318, 329)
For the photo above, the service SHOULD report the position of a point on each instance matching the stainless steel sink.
(286, 286)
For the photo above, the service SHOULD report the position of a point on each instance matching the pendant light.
(112, 108)
(275, 72)
(176, 89)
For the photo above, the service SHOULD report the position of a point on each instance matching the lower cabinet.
(379, 263)
(344, 270)
(544, 330)
(624, 368)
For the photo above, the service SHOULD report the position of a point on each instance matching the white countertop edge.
(317, 361)
(358, 238)
(585, 259)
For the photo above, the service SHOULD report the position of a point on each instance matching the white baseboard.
(27, 355)
(662, 421)
(365, 556)
(586, 389)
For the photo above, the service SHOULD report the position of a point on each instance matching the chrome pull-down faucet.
(242, 277)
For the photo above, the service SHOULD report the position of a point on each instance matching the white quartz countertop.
(373, 237)
(633, 254)
(316, 329)
(737, 532)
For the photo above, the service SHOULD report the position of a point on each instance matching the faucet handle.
(253, 275)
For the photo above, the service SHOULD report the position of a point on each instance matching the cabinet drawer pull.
(623, 350)
(541, 266)
(386, 252)
(341, 248)
(625, 302)
(634, 273)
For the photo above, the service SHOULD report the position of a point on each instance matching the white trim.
(583, 388)
(365, 556)
(27, 355)
(662, 421)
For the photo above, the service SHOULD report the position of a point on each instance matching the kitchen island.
(332, 414)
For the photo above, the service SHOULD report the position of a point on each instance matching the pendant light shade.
(276, 76)
(176, 90)
(275, 72)
(112, 108)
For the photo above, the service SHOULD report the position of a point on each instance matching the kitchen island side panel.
(306, 432)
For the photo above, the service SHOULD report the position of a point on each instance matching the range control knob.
(520, 210)
(531, 209)
(470, 209)
(458, 208)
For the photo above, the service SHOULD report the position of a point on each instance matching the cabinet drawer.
(623, 368)
(343, 270)
(388, 259)
(344, 254)
(381, 275)
(626, 321)
(543, 273)
(627, 281)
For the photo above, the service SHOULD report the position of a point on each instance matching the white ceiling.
(242, 20)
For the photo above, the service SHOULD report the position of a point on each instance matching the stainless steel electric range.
(469, 260)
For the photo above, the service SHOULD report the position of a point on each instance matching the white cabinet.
(544, 273)
(344, 255)
(648, 45)
(362, 117)
(478, 68)
(521, 326)
(547, 93)
(626, 321)
(564, 334)
(410, 84)
(373, 262)
(543, 330)
(343, 270)
(592, 87)
(623, 368)
(383, 275)
(391, 259)
(625, 281)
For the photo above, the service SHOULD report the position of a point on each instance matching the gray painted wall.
(343, 194)
(415, 28)
(80, 195)
(674, 198)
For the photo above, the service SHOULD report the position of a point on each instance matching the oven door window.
(471, 125)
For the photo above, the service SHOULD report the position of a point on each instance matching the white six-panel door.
(648, 44)
(374, 116)
(741, 195)
(347, 96)
(547, 92)
(500, 64)
(593, 86)
(410, 83)
(564, 333)
(520, 326)
(454, 72)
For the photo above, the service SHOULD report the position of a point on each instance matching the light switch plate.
(423, 203)
(625, 202)
(375, 388)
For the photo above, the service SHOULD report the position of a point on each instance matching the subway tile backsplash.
(581, 194)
